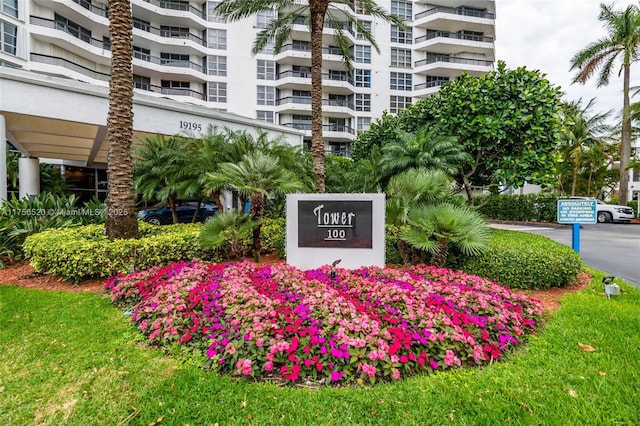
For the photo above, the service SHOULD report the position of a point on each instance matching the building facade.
(184, 52)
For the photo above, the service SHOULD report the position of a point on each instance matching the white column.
(29, 176)
(3, 160)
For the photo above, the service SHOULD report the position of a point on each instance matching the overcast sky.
(545, 34)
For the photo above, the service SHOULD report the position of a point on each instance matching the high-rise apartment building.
(183, 51)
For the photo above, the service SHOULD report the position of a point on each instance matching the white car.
(610, 212)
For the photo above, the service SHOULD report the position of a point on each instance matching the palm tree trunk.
(574, 182)
(121, 219)
(172, 205)
(317, 8)
(257, 211)
(441, 253)
(625, 143)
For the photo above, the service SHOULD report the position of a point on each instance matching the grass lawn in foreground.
(73, 358)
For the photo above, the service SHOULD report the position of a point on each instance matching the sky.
(545, 34)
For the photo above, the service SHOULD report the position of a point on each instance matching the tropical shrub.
(22, 217)
(326, 325)
(525, 261)
(84, 252)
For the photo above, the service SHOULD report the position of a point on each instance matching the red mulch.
(22, 274)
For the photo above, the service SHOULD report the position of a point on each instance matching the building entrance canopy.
(54, 118)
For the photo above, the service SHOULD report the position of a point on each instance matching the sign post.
(577, 212)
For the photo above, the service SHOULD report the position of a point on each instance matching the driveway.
(612, 248)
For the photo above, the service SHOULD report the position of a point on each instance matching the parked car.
(184, 209)
(610, 212)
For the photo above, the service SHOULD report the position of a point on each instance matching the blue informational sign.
(577, 211)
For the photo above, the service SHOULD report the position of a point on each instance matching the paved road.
(612, 248)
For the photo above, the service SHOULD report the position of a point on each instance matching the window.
(211, 15)
(217, 39)
(400, 81)
(302, 45)
(265, 116)
(141, 82)
(266, 70)
(363, 124)
(174, 32)
(217, 91)
(362, 54)
(141, 24)
(10, 7)
(402, 9)
(171, 87)
(8, 37)
(401, 58)
(217, 65)
(398, 103)
(366, 26)
(399, 35)
(266, 95)
(264, 17)
(142, 53)
(363, 102)
(72, 28)
(268, 48)
(362, 78)
(173, 59)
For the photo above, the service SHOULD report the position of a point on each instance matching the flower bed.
(368, 324)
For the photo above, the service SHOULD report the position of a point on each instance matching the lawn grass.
(73, 359)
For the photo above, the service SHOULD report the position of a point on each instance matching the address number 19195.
(190, 125)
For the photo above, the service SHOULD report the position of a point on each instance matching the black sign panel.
(336, 224)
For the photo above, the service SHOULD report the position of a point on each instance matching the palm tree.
(121, 215)
(583, 132)
(159, 170)
(315, 12)
(427, 148)
(229, 227)
(256, 176)
(433, 228)
(409, 189)
(12, 167)
(622, 41)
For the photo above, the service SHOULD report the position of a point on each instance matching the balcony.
(455, 19)
(68, 65)
(448, 42)
(179, 6)
(330, 107)
(98, 10)
(339, 83)
(167, 34)
(429, 88)
(71, 39)
(300, 29)
(170, 12)
(301, 55)
(169, 62)
(333, 132)
(451, 66)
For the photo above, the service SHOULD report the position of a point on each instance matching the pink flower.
(260, 342)
(395, 374)
(268, 366)
(369, 370)
(336, 375)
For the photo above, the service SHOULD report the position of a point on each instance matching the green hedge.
(84, 252)
(530, 207)
(525, 261)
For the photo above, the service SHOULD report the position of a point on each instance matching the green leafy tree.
(622, 42)
(315, 12)
(507, 121)
(256, 176)
(121, 214)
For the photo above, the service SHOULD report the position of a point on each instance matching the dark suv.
(184, 209)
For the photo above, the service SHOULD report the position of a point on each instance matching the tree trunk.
(172, 205)
(440, 255)
(625, 143)
(121, 219)
(257, 211)
(467, 188)
(317, 8)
